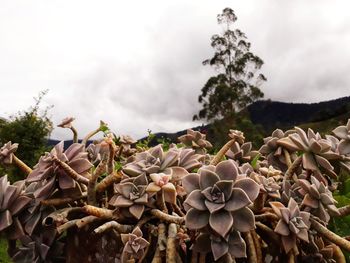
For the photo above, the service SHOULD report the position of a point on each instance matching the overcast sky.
(137, 64)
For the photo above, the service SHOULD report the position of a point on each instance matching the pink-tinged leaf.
(137, 210)
(213, 207)
(238, 200)
(80, 165)
(20, 203)
(178, 173)
(196, 200)
(236, 245)
(196, 219)
(344, 147)
(303, 234)
(249, 186)
(282, 228)
(227, 170)
(73, 151)
(65, 181)
(243, 220)
(221, 222)
(121, 201)
(324, 162)
(341, 132)
(9, 196)
(288, 144)
(308, 201)
(5, 219)
(190, 182)
(169, 192)
(207, 178)
(309, 161)
(219, 249)
(288, 242)
(152, 188)
(276, 206)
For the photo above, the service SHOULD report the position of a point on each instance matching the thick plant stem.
(60, 216)
(257, 245)
(202, 257)
(287, 157)
(110, 161)
(100, 169)
(292, 169)
(269, 232)
(260, 202)
(266, 217)
(166, 217)
(115, 225)
(99, 212)
(108, 181)
(62, 201)
(70, 172)
(89, 135)
(323, 231)
(252, 258)
(194, 257)
(66, 226)
(21, 165)
(222, 152)
(160, 201)
(162, 240)
(291, 257)
(75, 134)
(87, 220)
(338, 255)
(171, 244)
(343, 211)
(157, 258)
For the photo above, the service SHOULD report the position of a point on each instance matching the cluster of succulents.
(112, 201)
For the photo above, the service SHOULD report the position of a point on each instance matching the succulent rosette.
(343, 133)
(233, 244)
(7, 151)
(293, 223)
(154, 160)
(48, 170)
(317, 198)
(241, 153)
(195, 140)
(12, 202)
(316, 151)
(66, 122)
(131, 195)
(134, 245)
(268, 185)
(218, 197)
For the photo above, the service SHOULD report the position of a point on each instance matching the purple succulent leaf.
(243, 220)
(202, 243)
(225, 187)
(213, 207)
(207, 178)
(219, 249)
(196, 219)
(178, 173)
(227, 170)
(282, 228)
(249, 186)
(308, 201)
(169, 192)
(19, 204)
(190, 182)
(137, 210)
(125, 189)
(5, 219)
(221, 222)
(65, 181)
(121, 201)
(309, 162)
(238, 200)
(196, 200)
(341, 132)
(237, 246)
(288, 242)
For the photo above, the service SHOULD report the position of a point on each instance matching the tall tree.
(237, 83)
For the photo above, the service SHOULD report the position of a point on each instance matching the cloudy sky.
(137, 64)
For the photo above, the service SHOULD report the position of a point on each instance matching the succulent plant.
(322, 252)
(236, 135)
(161, 182)
(189, 159)
(94, 153)
(233, 244)
(242, 153)
(273, 151)
(317, 198)
(343, 133)
(6, 152)
(217, 195)
(293, 223)
(40, 248)
(126, 142)
(195, 140)
(316, 150)
(48, 170)
(134, 245)
(268, 185)
(131, 195)
(66, 122)
(12, 202)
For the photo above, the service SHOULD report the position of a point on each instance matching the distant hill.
(321, 116)
(272, 114)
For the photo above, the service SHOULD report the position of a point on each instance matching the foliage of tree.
(31, 129)
(237, 83)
